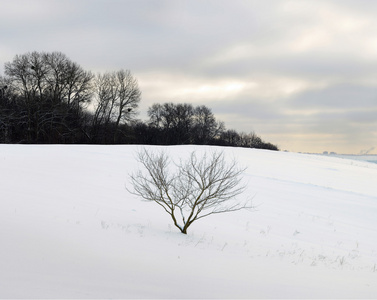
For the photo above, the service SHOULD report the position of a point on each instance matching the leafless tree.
(184, 123)
(230, 137)
(174, 120)
(206, 128)
(68, 82)
(117, 98)
(51, 92)
(7, 115)
(200, 186)
(41, 76)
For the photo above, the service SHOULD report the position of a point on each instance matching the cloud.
(341, 97)
(301, 73)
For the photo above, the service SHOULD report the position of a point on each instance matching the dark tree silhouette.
(50, 93)
(47, 98)
(117, 97)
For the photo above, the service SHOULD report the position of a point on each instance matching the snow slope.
(70, 229)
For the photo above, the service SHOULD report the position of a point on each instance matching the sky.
(301, 74)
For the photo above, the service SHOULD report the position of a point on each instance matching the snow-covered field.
(70, 229)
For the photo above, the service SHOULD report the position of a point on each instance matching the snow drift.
(70, 229)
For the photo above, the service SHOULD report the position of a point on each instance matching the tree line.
(45, 98)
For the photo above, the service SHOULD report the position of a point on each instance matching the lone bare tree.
(200, 186)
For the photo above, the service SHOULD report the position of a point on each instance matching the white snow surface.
(70, 229)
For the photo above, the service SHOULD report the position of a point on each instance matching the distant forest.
(45, 98)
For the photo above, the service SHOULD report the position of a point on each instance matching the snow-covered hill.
(70, 229)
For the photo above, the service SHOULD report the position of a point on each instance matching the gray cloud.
(341, 97)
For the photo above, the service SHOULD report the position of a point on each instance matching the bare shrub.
(198, 187)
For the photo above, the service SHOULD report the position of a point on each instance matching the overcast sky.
(301, 74)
